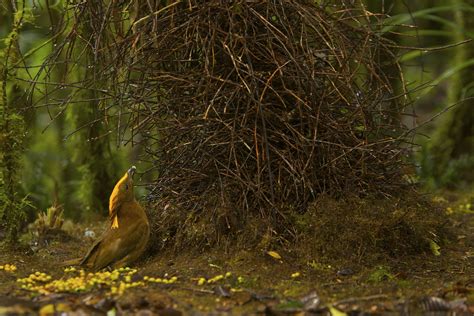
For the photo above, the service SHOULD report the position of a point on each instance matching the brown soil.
(259, 282)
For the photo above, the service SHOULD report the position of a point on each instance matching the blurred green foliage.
(440, 76)
(447, 155)
(61, 162)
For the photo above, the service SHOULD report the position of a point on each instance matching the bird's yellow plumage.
(126, 237)
(115, 199)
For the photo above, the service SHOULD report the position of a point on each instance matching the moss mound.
(349, 228)
(366, 229)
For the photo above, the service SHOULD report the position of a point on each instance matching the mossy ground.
(373, 282)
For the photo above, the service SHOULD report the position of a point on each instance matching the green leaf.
(435, 248)
(360, 128)
(335, 312)
(447, 74)
(398, 19)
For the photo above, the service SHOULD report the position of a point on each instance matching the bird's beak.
(131, 171)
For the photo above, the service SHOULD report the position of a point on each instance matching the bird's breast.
(131, 211)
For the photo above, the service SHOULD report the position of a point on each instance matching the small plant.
(380, 274)
(49, 222)
(318, 266)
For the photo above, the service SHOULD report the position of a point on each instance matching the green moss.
(289, 305)
(368, 229)
(318, 266)
(405, 284)
(12, 133)
(380, 274)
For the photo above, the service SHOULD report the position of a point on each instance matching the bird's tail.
(71, 262)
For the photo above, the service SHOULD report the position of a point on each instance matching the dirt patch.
(247, 280)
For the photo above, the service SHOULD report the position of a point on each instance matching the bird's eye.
(126, 186)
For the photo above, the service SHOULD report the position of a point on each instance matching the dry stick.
(431, 119)
(431, 49)
(360, 299)
(155, 13)
(203, 291)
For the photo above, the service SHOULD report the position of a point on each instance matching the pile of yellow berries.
(8, 267)
(217, 278)
(34, 282)
(78, 280)
(114, 282)
(161, 280)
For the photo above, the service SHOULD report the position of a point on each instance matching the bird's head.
(123, 190)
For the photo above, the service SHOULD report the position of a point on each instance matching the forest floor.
(244, 281)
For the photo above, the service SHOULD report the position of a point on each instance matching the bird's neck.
(131, 209)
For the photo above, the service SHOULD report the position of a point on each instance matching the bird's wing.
(88, 258)
(71, 262)
(114, 245)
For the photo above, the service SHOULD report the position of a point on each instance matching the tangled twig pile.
(246, 107)
(268, 103)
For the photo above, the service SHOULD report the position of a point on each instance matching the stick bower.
(265, 104)
(250, 108)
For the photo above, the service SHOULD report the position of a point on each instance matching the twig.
(361, 299)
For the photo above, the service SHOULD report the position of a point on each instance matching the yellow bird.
(127, 236)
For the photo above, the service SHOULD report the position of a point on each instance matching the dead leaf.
(54, 309)
(335, 312)
(311, 301)
(274, 255)
(221, 291)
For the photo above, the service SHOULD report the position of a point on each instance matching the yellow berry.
(201, 281)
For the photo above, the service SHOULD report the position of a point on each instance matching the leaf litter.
(279, 280)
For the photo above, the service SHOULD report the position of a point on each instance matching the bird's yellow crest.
(121, 191)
